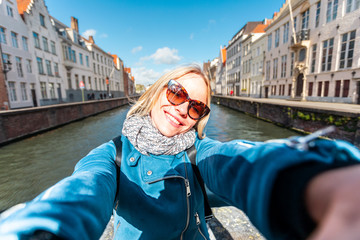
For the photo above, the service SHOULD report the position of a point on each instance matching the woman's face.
(172, 120)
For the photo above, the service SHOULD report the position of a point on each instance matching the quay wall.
(298, 116)
(21, 123)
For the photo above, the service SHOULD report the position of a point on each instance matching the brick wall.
(4, 101)
(17, 124)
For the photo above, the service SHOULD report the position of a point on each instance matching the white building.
(50, 86)
(118, 76)
(16, 49)
(76, 62)
(257, 67)
(102, 67)
(317, 57)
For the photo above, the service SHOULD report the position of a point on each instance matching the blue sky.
(154, 36)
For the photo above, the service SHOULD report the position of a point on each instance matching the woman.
(157, 195)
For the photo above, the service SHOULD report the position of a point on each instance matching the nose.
(182, 109)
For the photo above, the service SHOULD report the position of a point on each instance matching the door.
(266, 92)
(33, 95)
(299, 85)
(358, 91)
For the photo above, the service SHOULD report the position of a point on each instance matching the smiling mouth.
(172, 119)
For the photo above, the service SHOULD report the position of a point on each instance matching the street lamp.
(7, 67)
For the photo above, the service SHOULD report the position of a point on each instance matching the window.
(25, 43)
(275, 68)
(337, 88)
(326, 88)
(347, 50)
(28, 66)
(305, 20)
(283, 66)
(267, 71)
(319, 89)
(292, 63)
(2, 35)
(295, 20)
(352, 5)
(5, 58)
(9, 11)
(331, 11)
(313, 58)
(14, 40)
(73, 56)
(42, 20)
(269, 42)
(94, 65)
(69, 80)
(48, 67)
(36, 40)
(346, 88)
(96, 84)
(310, 90)
(77, 84)
(277, 37)
(12, 92)
(286, 33)
(40, 65)
(327, 54)
(43, 89)
(289, 90)
(45, 44)
(81, 58)
(89, 82)
(53, 48)
(24, 96)
(56, 69)
(52, 90)
(87, 61)
(19, 67)
(317, 17)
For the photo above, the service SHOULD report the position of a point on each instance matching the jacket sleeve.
(243, 173)
(77, 207)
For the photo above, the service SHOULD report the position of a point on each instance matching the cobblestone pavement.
(229, 224)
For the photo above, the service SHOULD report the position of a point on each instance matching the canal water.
(30, 166)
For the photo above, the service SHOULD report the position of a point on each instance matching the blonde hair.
(147, 101)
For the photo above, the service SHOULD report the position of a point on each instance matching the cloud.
(145, 76)
(211, 23)
(163, 55)
(191, 36)
(89, 32)
(103, 35)
(136, 49)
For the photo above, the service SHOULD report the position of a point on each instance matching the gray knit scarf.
(148, 140)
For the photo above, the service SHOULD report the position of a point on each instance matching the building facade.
(220, 82)
(50, 84)
(16, 53)
(257, 66)
(313, 52)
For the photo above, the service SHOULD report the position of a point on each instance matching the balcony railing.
(302, 35)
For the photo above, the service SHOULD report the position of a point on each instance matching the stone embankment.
(302, 116)
(17, 124)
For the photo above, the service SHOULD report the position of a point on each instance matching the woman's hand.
(333, 201)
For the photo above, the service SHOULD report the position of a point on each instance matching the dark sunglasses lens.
(176, 95)
(197, 110)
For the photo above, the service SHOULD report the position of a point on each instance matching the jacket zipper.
(188, 194)
(197, 218)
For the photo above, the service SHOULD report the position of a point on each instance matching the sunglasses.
(176, 95)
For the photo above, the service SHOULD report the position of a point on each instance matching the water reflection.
(31, 165)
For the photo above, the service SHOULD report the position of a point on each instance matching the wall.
(17, 124)
(300, 118)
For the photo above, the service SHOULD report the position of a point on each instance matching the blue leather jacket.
(158, 196)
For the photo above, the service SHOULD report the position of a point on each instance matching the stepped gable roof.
(23, 5)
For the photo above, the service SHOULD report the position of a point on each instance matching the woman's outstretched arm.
(77, 207)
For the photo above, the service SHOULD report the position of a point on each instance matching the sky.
(155, 36)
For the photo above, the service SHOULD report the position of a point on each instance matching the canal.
(30, 166)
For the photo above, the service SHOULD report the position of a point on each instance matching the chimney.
(91, 39)
(74, 24)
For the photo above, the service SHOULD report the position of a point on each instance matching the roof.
(23, 5)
